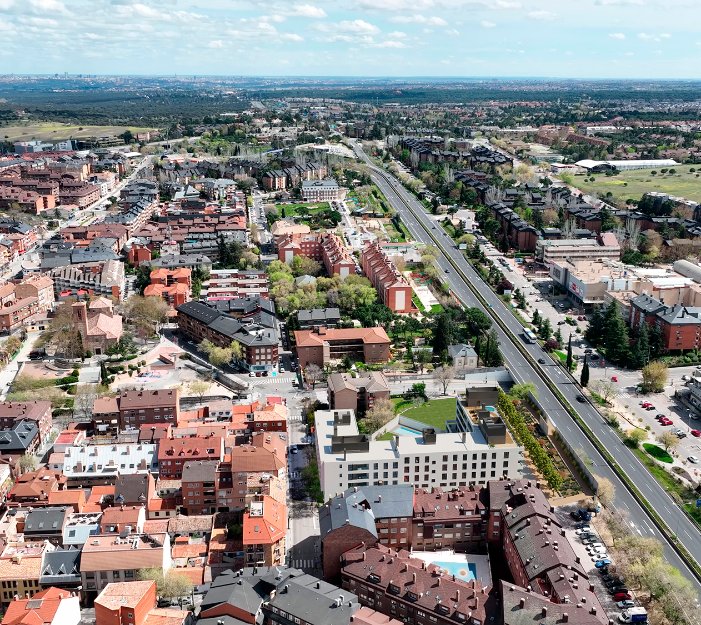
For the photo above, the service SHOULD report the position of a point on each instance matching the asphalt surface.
(419, 225)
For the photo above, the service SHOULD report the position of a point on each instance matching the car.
(541, 361)
(660, 416)
(666, 422)
(594, 357)
(588, 350)
(614, 378)
(251, 375)
(581, 399)
(584, 529)
(696, 433)
(693, 459)
(602, 563)
(649, 408)
(616, 589)
(622, 596)
(626, 603)
(580, 524)
(447, 270)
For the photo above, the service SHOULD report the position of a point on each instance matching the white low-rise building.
(483, 451)
(95, 462)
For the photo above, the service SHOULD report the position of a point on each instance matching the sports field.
(53, 131)
(633, 184)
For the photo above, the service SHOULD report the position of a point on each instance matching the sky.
(565, 38)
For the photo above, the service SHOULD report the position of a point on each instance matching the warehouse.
(602, 166)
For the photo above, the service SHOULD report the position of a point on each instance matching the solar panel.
(34, 604)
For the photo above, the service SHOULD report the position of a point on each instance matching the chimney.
(457, 595)
(593, 609)
(522, 602)
(545, 612)
(565, 617)
(379, 499)
(413, 578)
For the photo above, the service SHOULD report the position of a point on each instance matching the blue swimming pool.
(403, 430)
(464, 571)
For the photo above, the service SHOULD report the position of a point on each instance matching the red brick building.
(148, 406)
(326, 247)
(393, 288)
(37, 411)
(173, 285)
(322, 345)
(679, 325)
(174, 453)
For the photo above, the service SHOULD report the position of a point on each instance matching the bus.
(528, 336)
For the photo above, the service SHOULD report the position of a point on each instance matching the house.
(174, 453)
(134, 603)
(123, 520)
(99, 326)
(107, 559)
(308, 319)
(19, 439)
(53, 606)
(46, 524)
(33, 488)
(357, 393)
(38, 411)
(148, 406)
(463, 357)
(264, 531)
(61, 568)
(321, 346)
(20, 569)
(366, 515)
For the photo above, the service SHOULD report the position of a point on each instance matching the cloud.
(505, 4)
(620, 36)
(291, 37)
(47, 6)
(308, 10)
(487, 24)
(543, 16)
(607, 3)
(396, 5)
(452, 32)
(420, 19)
(652, 37)
(6, 5)
(397, 34)
(389, 44)
(360, 27)
(215, 44)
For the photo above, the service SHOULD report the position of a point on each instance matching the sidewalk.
(8, 374)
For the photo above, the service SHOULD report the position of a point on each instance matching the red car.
(645, 404)
(621, 596)
(696, 433)
(614, 378)
(666, 422)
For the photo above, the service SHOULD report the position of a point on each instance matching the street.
(422, 228)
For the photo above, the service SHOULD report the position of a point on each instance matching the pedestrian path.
(304, 564)
(278, 379)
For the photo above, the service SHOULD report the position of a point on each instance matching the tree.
(199, 388)
(584, 377)
(492, 356)
(304, 266)
(169, 584)
(442, 335)
(615, 335)
(217, 356)
(605, 490)
(28, 462)
(382, 412)
(145, 314)
(654, 377)
(634, 437)
(444, 375)
(85, 396)
(104, 376)
(668, 440)
(313, 374)
(63, 333)
(569, 360)
(595, 329)
(422, 358)
(606, 389)
(523, 392)
(545, 330)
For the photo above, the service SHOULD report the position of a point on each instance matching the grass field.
(434, 412)
(658, 453)
(46, 131)
(302, 209)
(633, 184)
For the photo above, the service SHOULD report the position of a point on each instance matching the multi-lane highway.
(457, 272)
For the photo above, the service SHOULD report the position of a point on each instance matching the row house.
(323, 345)
(133, 408)
(230, 284)
(79, 194)
(37, 411)
(174, 453)
(392, 287)
(680, 325)
(517, 232)
(82, 235)
(174, 286)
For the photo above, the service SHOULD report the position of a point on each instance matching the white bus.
(528, 336)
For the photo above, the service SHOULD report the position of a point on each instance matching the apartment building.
(322, 191)
(53, 606)
(201, 483)
(21, 438)
(20, 569)
(680, 325)
(228, 284)
(264, 531)
(37, 411)
(100, 464)
(21, 302)
(549, 251)
(326, 247)
(28, 201)
(102, 278)
(148, 406)
(368, 515)
(412, 591)
(33, 488)
(392, 287)
(174, 286)
(483, 451)
(323, 345)
(78, 193)
(174, 453)
(357, 393)
(110, 558)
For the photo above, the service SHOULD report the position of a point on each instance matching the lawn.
(633, 184)
(47, 131)
(387, 436)
(291, 210)
(396, 236)
(658, 453)
(434, 412)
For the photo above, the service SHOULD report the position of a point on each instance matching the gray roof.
(131, 489)
(461, 350)
(228, 326)
(646, 303)
(361, 507)
(45, 521)
(18, 438)
(318, 314)
(201, 312)
(61, 566)
(317, 607)
(200, 470)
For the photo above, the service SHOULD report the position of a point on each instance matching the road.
(424, 230)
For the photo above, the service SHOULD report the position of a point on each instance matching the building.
(61, 568)
(680, 325)
(406, 588)
(123, 520)
(604, 166)
(52, 606)
(484, 450)
(37, 411)
(21, 302)
(321, 346)
(309, 319)
(228, 284)
(322, 191)
(198, 321)
(20, 570)
(326, 247)
(176, 261)
(394, 290)
(148, 406)
(33, 488)
(264, 531)
(463, 357)
(367, 515)
(174, 453)
(45, 524)
(111, 558)
(102, 278)
(100, 464)
(172, 285)
(357, 393)
(275, 596)
(134, 603)
(99, 326)
(21, 438)
(550, 251)
(200, 482)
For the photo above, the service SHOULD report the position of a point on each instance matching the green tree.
(523, 391)
(442, 335)
(584, 378)
(545, 330)
(569, 360)
(305, 266)
(492, 356)
(615, 335)
(169, 584)
(595, 331)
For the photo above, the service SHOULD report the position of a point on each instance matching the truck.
(633, 615)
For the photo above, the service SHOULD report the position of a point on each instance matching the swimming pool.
(403, 430)
(464, 571)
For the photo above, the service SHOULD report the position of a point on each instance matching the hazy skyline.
(586, 38)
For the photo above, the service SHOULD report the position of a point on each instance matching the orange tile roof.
(309, 338)
(120, 516)
(156, 526)
(194, 573)
(268, 528)
(123, 594)
(19, 613)
(67, 498)
(103, 553)
(251, 459)
(167, 616)
(188, 550)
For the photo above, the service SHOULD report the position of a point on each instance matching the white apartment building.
(321, 190)
(346, 458)
(87, 462)
(550, 251)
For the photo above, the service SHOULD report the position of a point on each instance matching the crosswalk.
(304, 564)
(278, 379)
(295, 417)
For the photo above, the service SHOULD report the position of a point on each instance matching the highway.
(425, 230)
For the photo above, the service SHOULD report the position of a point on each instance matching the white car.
(693, 459)
(583, 530)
